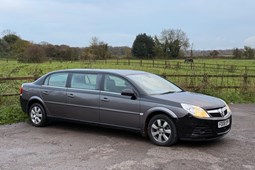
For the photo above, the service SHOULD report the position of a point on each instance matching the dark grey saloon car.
(128, 99)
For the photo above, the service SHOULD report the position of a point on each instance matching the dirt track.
(73, 146)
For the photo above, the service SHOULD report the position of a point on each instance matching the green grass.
(10, 110)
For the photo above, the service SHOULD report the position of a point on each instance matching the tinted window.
(115, 84)
(56, 79)
(84, 81)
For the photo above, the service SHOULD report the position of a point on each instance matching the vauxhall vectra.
(127, 99)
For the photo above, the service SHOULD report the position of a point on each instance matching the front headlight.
(195, 111)
(228, 109)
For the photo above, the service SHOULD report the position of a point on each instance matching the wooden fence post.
(141, 62)
(205, 78)
(128, 61)
(178, 65)
(152, 63)
(245, 80)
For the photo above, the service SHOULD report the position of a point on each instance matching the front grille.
(218, 112)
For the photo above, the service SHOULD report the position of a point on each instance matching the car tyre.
(37, 115)
(162, 130)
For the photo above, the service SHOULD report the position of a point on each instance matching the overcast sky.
(214, 24)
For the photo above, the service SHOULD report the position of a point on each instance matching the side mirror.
(128, 92)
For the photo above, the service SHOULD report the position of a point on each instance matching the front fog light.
(195, 111)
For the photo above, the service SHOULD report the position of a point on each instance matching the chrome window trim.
(72, 88)
(54, 86)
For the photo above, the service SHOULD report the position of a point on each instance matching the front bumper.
(191, 128)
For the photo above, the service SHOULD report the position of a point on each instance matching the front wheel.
(37, 115)
(162, 131)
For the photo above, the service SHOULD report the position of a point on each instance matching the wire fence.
(178, 65)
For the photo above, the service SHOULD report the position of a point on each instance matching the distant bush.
(32, 54)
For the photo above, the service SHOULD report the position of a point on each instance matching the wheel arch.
(156, 111)
(33, 100)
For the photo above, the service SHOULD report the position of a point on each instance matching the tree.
(237, 53)
(11, 38)
(32, 54)
(13, 45)
(158, 48)
(248, 52)
(143, 46)
(127, 52)
(120, 52)
(8, 42)
(96, 50)
(173, 41)
(214, 53)
(3, 47)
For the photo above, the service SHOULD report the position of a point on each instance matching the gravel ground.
(64, 145)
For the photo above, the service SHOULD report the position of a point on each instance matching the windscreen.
(153, 84)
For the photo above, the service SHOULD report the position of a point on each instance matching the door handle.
(105, 99)
(71, 95)
(45, 92)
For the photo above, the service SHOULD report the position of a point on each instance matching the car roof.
(115, 71)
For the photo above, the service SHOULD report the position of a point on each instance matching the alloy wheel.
(161, 130)
(36, 115)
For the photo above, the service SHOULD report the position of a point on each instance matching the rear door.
(83, 97)
(53, 92)
(116, 109)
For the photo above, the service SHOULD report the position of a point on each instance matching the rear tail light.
(21, 90)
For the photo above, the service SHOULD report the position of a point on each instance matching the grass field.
(13, 68)
(10, 110)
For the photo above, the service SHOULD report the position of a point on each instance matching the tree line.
(171, 43)
(14, 47)
(247, 52)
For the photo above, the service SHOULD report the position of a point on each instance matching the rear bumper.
(23, 104)
(190, 128)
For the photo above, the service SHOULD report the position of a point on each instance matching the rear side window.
(56, 79)
(84, 81)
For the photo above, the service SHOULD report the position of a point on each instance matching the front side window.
(115, 84)
(84, 81)
(56, 79)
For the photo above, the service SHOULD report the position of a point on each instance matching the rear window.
(56, 80)
(84, 81)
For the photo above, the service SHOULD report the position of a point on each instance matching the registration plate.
(223, 123)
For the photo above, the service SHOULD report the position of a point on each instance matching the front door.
(116, 109)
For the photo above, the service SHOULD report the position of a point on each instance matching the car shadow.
(200, 144)
(96, 130)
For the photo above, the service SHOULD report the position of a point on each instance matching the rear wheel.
(37, 115)
(162, 131)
